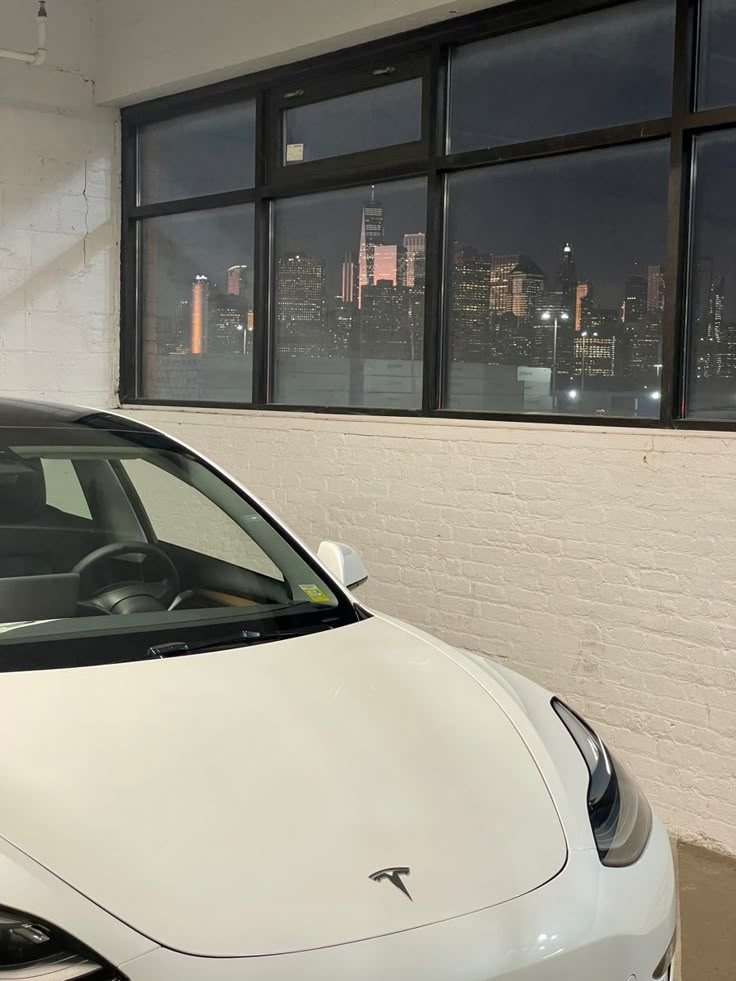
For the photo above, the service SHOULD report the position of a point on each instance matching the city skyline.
(361, 297)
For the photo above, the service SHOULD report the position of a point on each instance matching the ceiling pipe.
(38, 56)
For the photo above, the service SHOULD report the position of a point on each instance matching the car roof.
(27, 414)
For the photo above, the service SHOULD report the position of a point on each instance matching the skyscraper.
(348, 278)
(385, 321)
(470, 335)
(581, 293)
(237, 281)
(300, 305)
(180, 342)
(385, 264)
(526, 282)
(226, 328)
(499, 267)
(414, 245)
(703, 291)
(200, 313)
(371, 234)
(567, 281)
(635, 297)
(655, 289)
(594, 355)
(342, 320)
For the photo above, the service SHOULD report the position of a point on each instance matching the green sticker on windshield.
(315, 594)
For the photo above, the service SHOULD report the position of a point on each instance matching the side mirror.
(344, 563)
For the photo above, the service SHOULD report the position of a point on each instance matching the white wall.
(600, 562)
(59, 188)
(153, 47)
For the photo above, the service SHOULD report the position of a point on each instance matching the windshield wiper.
(243, 638)
(177, 648)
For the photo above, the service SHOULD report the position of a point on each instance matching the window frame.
(424, 52)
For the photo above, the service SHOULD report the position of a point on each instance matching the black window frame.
(421, 53)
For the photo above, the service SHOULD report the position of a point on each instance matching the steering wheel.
(129, 597)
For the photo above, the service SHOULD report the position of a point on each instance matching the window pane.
(63, 490)
(197, 305)
(555, 284)
(203, 153)
(712, 297)
(349, 297)
(717, 62)
(365, 120)
(602, 69)
(182, 515)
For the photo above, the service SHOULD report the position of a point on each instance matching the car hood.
(236, 802)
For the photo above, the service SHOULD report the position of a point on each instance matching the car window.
(63, 490)
(181, 515)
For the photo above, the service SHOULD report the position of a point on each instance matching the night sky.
(583, 73)
(610, 205)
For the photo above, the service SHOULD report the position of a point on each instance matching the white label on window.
(294, 152)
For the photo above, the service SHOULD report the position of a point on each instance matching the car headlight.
(32, 949)
(620, 815)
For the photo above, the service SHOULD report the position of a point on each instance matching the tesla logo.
(394, 877)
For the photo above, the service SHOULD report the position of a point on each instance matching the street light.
(547, 315)
(246, 330)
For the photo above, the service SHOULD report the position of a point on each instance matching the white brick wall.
(59, 190)
(602, 563)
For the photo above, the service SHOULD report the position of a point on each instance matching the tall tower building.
(635, 297)
(385, 264)
(226, 328)
(500, 268)
(200, 313)
(581, 294)
(655, 289)
(300, 305)
(703, 291)
(385, 321)
(527, 286)
(371, 235)
(567, 281)
(347, 293)
(237, 281)
(719, 297)
(470, 332)
(414, 245)
(180, 342)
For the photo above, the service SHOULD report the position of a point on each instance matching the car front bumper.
(590, 923)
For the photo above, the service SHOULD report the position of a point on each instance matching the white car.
(217, 765)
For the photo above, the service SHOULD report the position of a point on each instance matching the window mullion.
(674, 332)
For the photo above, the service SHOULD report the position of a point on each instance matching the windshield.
(120, 544)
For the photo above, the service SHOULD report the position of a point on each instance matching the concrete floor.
(707, 914)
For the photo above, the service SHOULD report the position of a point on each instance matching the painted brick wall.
(602, 563)
(59, 188)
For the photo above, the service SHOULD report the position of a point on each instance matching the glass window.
(712, 295)
(181, 515)
(219, 573)
(377, 117)
(349, 297)
(63, 490)
(556, 285)
(584, 73)
(717, 61)
(202, 153)
(197, 305)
